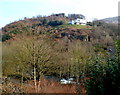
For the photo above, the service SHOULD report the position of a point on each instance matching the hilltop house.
(78, 21)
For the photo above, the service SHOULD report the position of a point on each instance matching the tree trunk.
(35, 81)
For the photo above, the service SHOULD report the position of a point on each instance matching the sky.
(14, 10)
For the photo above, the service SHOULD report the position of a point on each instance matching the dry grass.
(43, 86)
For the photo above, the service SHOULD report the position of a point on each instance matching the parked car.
(71, 80)
(68, 81)
(64, 81)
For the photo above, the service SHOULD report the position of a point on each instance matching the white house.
(78, 21)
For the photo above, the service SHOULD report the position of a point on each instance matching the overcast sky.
(13, 10)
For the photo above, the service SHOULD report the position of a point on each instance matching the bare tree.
(79, 53)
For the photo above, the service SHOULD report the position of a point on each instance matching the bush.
(96, 72)
(104, 78)
(6, 37)
(44, 21)
(55, 23)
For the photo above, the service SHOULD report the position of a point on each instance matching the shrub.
(104, 78)
(6, 37)
(55, 23)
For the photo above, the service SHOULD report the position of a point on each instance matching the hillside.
(111, 20)
(56, 27)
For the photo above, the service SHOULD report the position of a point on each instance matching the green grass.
(73, 26)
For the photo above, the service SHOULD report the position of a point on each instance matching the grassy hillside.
(52, 26)
(74, 26)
